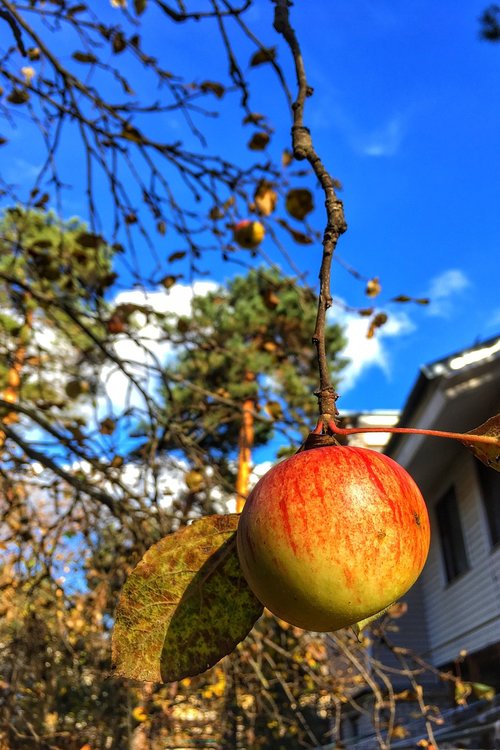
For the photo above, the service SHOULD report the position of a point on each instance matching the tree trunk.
(245, 444)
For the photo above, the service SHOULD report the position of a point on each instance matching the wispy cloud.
(382, 141)
(363, 353)
(381, 137)
(494, 321)
(20, 171)
(444, 290)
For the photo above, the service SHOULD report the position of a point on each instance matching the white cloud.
(442, 291)
(363, 353)
(177, 300)
(149, 349)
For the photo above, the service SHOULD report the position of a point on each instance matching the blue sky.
(406, 114)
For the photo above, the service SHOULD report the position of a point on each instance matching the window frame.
(454, 557)
(486, 479)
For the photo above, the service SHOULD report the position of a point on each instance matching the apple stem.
(319, 428)
(463, 437)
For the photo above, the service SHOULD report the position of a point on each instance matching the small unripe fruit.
(333, 535)
(249, 234)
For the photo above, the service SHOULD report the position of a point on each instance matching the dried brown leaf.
(299, 203)
(107, 426)
(18, 96)
(405, 298)
(169, 280)
(258, 141)
(84, 57)
(253, 118)
(177, 255)
(377, 321)
(214, 87)
(263, 56)
(488, 454)
(301, 238)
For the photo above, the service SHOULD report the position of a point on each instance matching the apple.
(248, 234)
(333, 535)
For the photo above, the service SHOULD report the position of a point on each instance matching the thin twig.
(303, 149)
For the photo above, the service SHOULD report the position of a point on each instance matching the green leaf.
(482, 691)
(488, 454)
(185, 606)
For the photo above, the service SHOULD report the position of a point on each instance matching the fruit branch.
(303, 149)
(466, 437)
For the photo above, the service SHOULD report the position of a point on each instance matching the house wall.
(408, 631)
(465, 613)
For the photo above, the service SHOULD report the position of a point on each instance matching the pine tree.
(245, 370)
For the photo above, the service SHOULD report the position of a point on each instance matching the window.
(451, 535)
(489, 481)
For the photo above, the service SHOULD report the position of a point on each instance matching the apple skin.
(333, 535)
(249, 234)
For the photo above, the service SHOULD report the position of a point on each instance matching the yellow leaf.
(28, 73)
(462, 692)
(373, 287)
(194, 480)
(265, 198)
(399, 732)
(139, 713)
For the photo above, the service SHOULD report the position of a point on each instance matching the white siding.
(463, 614)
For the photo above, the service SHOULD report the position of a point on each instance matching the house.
(453, 615)
(460, 584)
